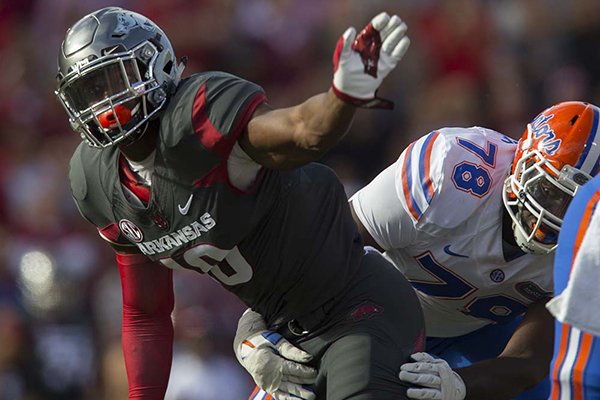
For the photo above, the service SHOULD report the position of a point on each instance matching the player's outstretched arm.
(522, 364)
(290, 137)
(147, 329)
(274, 363)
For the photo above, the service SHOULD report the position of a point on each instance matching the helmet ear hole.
(168, 67)
(573, 120)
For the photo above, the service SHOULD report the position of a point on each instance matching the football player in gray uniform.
(483, 302)
(199, 173)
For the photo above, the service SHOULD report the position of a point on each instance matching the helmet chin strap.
(135, 136)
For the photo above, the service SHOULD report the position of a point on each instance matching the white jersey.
(438, 213)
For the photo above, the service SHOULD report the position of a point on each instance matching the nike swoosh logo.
(451, 253)
(184, 210)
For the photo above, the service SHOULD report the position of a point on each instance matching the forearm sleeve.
(147, 329)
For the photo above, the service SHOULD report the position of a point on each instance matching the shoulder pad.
(77, 174)
(444, 177)
(203, 121)
(87, 186)
(211, 104)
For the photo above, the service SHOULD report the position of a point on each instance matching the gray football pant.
(374, 327)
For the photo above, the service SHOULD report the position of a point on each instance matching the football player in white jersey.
(482, 269)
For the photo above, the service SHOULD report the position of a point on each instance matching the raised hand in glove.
(437, 380)
(274, 363)
(362, 61)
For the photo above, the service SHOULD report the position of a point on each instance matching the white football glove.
(361, 62)
(438, 380)
(274, 363)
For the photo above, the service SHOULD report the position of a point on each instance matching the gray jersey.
(284, 247)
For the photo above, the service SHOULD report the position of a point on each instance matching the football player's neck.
(141, 148)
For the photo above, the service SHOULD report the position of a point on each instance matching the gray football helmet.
(116, 71)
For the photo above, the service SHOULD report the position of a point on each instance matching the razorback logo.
(160, 221)
(541, 130)
(365, 310)
(127, 21)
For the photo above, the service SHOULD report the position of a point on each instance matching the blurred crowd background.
(493, 63)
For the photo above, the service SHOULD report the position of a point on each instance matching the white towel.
(579, 304)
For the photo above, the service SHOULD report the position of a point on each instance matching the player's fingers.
(380, 21)
(394, 37)
(424, 394)
(291, 352)
(298, 373)
(427, 380)
(295, 391)
(401, 48)
(347, 39)
(422, 356)
(393, 23)
(419, 367)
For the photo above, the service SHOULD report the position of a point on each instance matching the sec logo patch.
(497, 275)
(131, 231)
